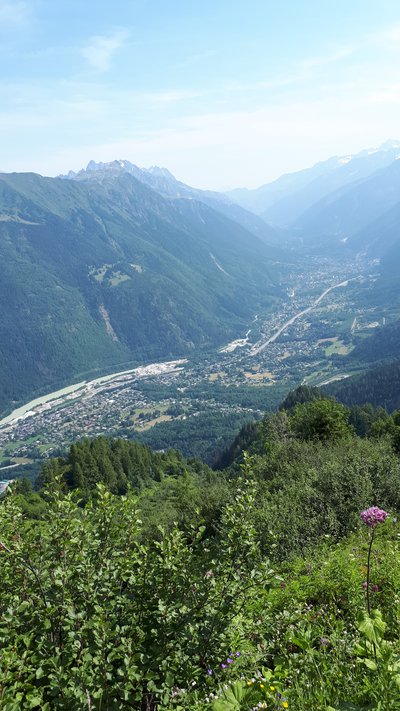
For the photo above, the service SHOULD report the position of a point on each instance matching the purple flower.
(375, 588)
(229, 661)
(210, 672)
(237, 654)
(223, 666)
(324, 641)
(374, 515)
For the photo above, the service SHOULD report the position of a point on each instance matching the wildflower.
(324, 641)
(285, 705)
(272, 688)
(229, 661)
(375, 588)
(371, 518)
(374, 515)
(237, 654)
(210, 672)
(223, 666)
(261, 686)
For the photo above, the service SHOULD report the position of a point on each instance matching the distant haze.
(224, 94)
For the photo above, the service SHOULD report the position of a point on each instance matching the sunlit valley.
(313, 311)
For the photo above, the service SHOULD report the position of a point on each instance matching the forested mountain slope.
(380, 237)
(352, 208)
(164, 183)
(101, 274)
(378, 386)
(383, 345)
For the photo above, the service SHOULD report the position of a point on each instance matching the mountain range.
(164, 183)
(347, 200)
(101, 273)
(284, 200)
(349, 203)
(116, 264)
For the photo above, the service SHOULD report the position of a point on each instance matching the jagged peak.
(119, 166)
(160, 172)
(110, 165)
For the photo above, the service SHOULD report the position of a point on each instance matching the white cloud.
(251, 147)
(388, 94)
(101, 48)
(259, 134)
(14, 13)
(305, 70)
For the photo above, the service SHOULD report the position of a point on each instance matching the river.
(139, 372)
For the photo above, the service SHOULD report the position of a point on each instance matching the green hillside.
(96, 275)
(378, 386)
(260, 586)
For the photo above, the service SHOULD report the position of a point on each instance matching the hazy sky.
(224, 93)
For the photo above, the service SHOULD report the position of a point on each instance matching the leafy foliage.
(91, 616)
(190, 589)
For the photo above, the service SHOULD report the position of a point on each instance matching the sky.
(224, 93)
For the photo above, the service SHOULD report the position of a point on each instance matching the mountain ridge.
(282, 201)
(95, 274)
(164, 182)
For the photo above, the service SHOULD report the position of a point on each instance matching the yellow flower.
(261, 686)
(272, 688)
(285, 705)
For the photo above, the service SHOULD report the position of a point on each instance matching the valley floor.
(304, 339)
